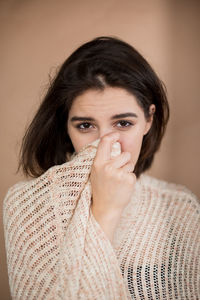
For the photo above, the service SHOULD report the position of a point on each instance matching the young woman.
(90, 224)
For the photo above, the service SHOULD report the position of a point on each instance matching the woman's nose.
(105, 131)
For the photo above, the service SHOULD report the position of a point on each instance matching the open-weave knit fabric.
(57, 250)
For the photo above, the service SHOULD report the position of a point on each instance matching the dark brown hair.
(104, 61)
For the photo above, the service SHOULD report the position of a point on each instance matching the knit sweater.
(57, 250)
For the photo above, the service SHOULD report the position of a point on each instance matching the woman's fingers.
(121, 160)
(105, 146)
(112, 178)
(128, 168)
(104, 150)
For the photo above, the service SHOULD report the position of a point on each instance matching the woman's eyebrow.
(76, 118)
(124, 115)
(118, 116)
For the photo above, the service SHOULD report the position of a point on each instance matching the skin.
(94, 115)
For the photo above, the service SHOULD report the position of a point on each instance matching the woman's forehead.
(110, 100)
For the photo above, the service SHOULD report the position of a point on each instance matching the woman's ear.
(149, 121)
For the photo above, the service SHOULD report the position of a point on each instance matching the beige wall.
(36, 36)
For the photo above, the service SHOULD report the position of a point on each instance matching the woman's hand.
(112, 179)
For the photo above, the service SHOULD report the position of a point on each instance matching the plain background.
(38, 35)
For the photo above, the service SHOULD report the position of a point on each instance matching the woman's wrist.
(107, 220)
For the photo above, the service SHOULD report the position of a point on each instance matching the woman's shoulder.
(16, 189)
(169, 190)
(23, 185)
(35, 184)
(25, 189)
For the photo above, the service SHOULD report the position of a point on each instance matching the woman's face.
(97, 113)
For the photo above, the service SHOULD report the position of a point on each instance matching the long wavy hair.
(46, 141)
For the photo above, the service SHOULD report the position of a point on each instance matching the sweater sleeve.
(55, 248)
(30, 237)
(88, 266)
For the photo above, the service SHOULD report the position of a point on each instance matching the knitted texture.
(57, 250)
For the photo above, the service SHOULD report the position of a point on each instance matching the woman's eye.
(123, 124)
(84, 126)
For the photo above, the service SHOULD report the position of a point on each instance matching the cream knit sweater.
(57, 250)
